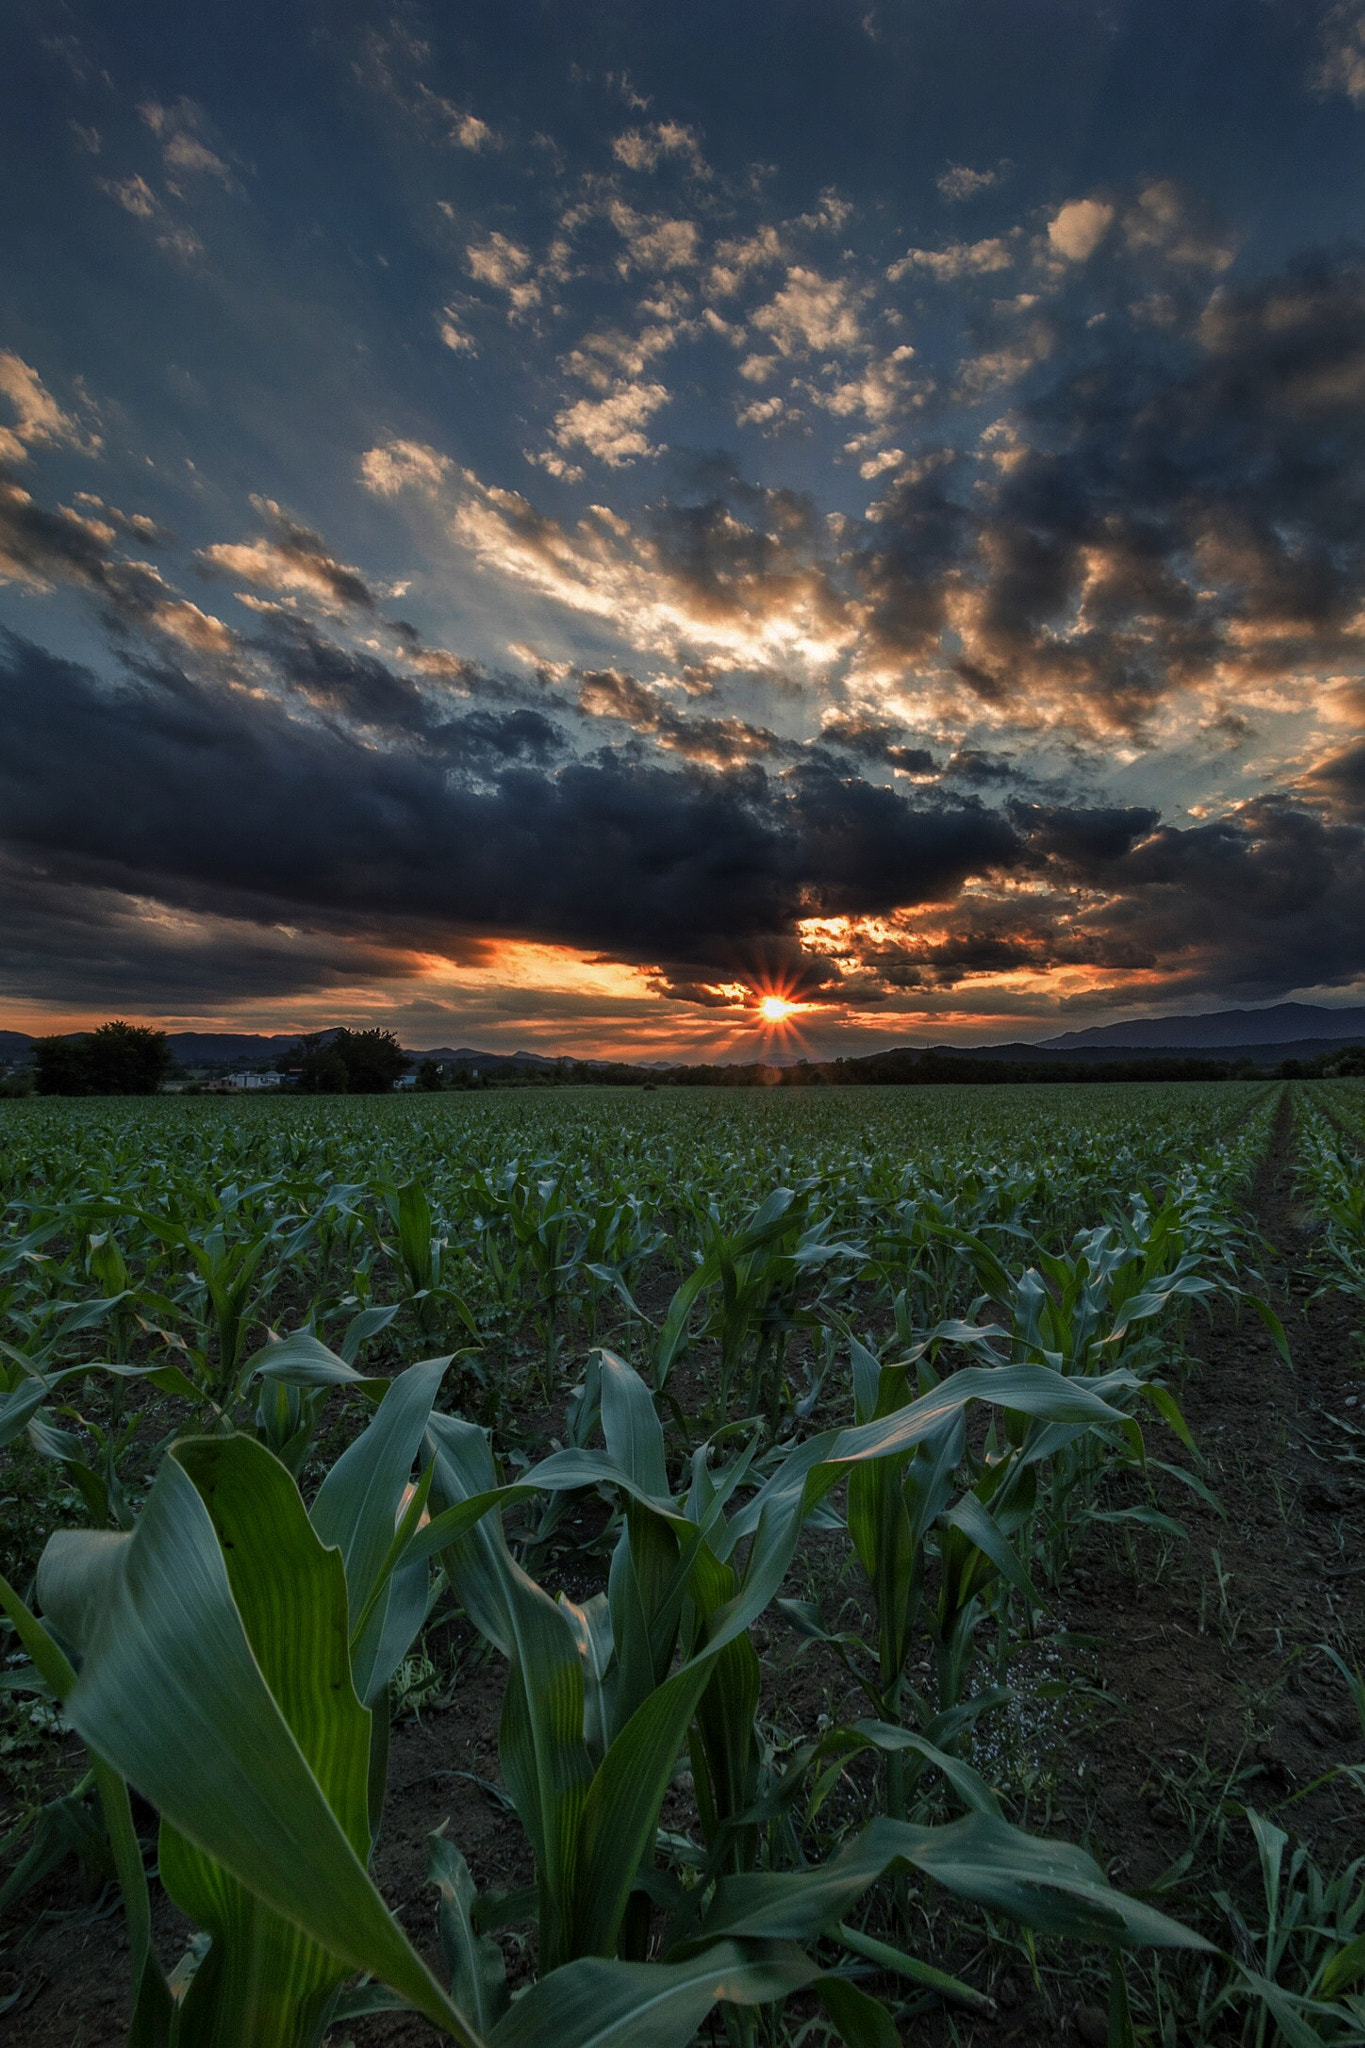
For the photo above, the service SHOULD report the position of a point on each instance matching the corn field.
(648, 1397)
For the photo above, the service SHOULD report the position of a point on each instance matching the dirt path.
(1211, 1650)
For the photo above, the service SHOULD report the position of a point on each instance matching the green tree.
(430, 1079)
(115, 1059)
(61, 1066)
(322, 1071)
(127, 1059)
(373, 1060)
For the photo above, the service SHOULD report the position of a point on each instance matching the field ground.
(1170, 1681)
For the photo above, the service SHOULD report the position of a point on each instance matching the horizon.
(783, 1052)
(774, 534)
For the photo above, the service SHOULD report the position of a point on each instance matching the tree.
(373, 1060)
(430, 1079)
(115, 1059)
(348, 1062)
(127, 1059)
(61, 1066)
(322, 1071)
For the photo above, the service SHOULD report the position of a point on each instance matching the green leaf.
(593, 2003)
(912, 1967)
(541, 1743)
(303, 1360)
(17, 1408)
(631, 1426)
(1047, 1885)
(478, 1978)
(179, 1699)
(357, 1508)
(860, 2020)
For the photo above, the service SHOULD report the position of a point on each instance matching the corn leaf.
(177, 1696)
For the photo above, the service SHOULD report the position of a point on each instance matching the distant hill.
(215, 1048)
(1282, 1024)
(190, 1048)
(471, 1058)
(1261, 1053)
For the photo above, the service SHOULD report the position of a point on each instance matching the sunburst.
(776, 1009)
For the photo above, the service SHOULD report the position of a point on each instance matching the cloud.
(958, 260)
(612, 429)
(290, 557)
(654, 242)
(1165, 219)
(873, 739)
(137, 198)
(1341, 68)
(81, 945)
(884, 389)
(1214, 545)
(994, 368)
(1338, 781)
(1252, 905)
(453, 333)
(403, 465)
(811, 314)
(179, 129)
(194, 629)
(761, 412)
(134, 195)
(1059, 574)
(1077, 229)
(958, 181)
(37, 417)
(607, 355)
(642, 149)
(877, 465)
(40, 548)
(711, 742)
(391, 62)
(739, 256)
(228, 805)
(504, 264)
(742, 573)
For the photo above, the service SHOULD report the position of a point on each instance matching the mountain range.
(1283, 1024)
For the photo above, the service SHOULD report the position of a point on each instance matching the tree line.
(136, 1059)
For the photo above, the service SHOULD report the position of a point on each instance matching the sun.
(776, 1009)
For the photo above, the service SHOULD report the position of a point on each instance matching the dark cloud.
(1171, 516)
(74, 943)
(913, 554)
(972, 765)
(871, 739)
(383, 830)
(1087, 840)
(230, 806)
(742, 554)
(714, 742)
(1339, 781)
(39, 546)
(1255, 904)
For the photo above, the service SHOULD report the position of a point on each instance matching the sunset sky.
(548, 525)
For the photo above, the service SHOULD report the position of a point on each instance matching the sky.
(584, 527)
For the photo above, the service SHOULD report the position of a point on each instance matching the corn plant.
(226, 1657)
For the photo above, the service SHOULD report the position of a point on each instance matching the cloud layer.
(572, 520)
